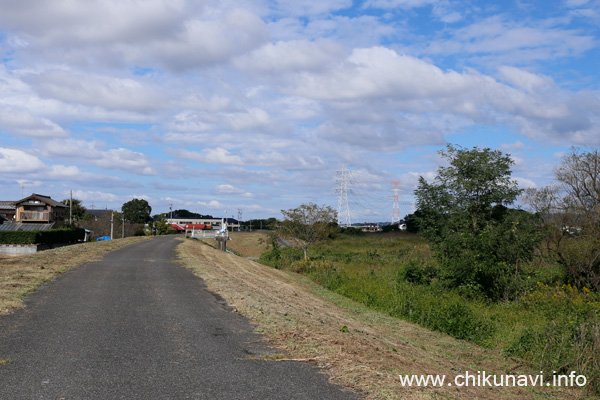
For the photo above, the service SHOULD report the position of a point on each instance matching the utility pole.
(395, 203)
(171, 209)
(122, 226)
(343, 208)
(112, 216)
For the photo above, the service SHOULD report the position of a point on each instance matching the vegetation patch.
(356, 345)
(548, 327)
(51, 236)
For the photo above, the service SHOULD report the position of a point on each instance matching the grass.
(21, 275)
(306, 321)
(548, 327)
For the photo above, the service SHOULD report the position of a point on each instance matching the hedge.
(51, 236)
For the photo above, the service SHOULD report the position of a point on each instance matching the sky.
(251, 107)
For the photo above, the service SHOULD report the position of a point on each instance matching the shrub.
(51, 236)
(568, 339)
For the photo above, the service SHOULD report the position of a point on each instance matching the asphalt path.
(137, 325)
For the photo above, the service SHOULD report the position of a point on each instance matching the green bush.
(51, 236)
(18, 237)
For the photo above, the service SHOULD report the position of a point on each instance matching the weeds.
(552, 327)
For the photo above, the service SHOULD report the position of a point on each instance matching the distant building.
(97, 214)
(215, 223)
(7, 210)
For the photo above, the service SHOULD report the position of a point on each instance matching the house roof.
(15, 226)
(97, 213)
(42, 198)
(178, 227)
(7, 205)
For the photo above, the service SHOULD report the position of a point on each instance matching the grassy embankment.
(552, 327)
(20, 275)
(358, 347)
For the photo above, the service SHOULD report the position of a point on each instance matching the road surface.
(136, 325)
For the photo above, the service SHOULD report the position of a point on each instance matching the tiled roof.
(15, 226)
(7, 205)
(41, 197)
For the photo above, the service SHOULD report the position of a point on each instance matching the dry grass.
(247, 243)
(20, 275)
(308, 323)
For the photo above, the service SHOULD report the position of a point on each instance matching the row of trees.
(135, 211)
(481, 240)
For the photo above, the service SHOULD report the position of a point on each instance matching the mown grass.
(551, 327)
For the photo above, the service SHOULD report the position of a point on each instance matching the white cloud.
(309, 7)
(125, 160)
(226, 189)
(20, 122)
(524, 183)
(390, 4)
(517, 42)
(175, 34)
(212, 205)
(18, 161)
(526, 80)
(518, 145)
(292, 56)
(95, 197)
(91, 90)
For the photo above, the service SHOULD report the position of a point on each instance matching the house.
(40, 209)
(7, 210)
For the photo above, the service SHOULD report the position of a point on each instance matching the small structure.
(223, 236)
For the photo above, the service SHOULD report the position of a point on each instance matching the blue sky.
(254, 105)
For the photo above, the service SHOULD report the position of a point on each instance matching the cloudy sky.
(254, 105)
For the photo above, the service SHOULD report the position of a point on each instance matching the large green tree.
(307, 225)
(137, 211)
(464, 215)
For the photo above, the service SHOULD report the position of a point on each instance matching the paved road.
(139, 326)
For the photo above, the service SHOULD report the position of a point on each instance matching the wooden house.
(39, 209)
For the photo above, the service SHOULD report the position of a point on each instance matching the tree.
(137, 211)
(77, 209)
(307, 225)
(464, 216)
(180, 214)
(162, 227)
(571, 213)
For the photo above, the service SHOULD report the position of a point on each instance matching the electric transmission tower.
(342, 189)
(395, 204)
